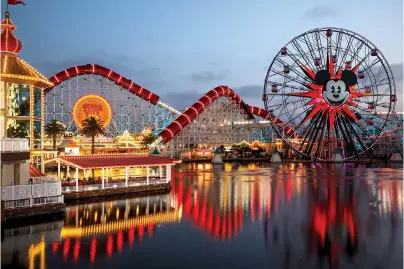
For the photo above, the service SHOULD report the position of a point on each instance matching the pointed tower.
(21, 93)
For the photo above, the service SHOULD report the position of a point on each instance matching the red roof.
(116, 160)
(34, 171)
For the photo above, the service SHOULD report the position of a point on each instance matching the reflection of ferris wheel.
(329, 86)
(131, 105)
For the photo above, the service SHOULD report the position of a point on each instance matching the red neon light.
(76, 251)
(119, 241)
(189, 120)
(150, 229)
(131, 235)
(201, 104)
(223, 90)
(55, 247)
(67, 73)
(141, 232)
(196, 111)
(66, 248)
(178, 124)
(172, 135)
(110, 245)
(93, 250)
(210, 100)
(77, 70)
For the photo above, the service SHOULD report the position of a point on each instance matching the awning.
(115, 160)
(34, 171)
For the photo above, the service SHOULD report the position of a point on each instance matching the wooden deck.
(37, 210)
(58, 208)
(73, 196)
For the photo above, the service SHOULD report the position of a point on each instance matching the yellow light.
(28, 78)
(34, 250)
(165, 217)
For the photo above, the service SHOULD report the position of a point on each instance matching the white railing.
(113, 185)
(14, 144)
(31, 194)
(44, 179)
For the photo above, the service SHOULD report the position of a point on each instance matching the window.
(18, 98)
(37, 103)
(18, 128)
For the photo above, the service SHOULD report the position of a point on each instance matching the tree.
(148, 139)
(92, 126)
(53, 129)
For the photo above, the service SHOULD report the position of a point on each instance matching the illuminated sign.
(92, 105)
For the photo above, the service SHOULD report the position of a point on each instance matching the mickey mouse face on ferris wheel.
(336, 91)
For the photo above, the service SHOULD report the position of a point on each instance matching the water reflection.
(284, 216)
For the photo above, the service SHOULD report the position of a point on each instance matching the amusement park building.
(21, 109)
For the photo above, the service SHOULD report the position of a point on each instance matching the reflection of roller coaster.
(306, 213)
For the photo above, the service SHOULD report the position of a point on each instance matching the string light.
(27, 78)
(155, 160)
(35, 250)
(105, 228)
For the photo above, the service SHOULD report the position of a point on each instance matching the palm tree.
(53, 129)
(92, 126)
(148, 139)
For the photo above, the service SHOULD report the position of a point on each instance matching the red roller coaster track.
(105, 72)
(199, 106)
(185, 118)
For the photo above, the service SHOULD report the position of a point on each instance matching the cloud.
(397, 70)
(251, 94)
(322, 11)
(208, 76)
(181, 100)
(133, 69)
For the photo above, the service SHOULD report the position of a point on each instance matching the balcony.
(14, 149)
(19, 196)
(14, 145)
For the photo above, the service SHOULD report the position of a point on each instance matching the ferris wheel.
(329, 86)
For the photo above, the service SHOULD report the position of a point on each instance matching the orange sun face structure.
(332, 93)
(92, 105)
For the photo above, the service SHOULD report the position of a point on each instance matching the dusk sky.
(180, 49)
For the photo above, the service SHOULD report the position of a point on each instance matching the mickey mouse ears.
(348, 76)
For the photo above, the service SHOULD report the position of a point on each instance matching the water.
(231, 216)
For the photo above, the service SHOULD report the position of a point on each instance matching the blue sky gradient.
(181, 49)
